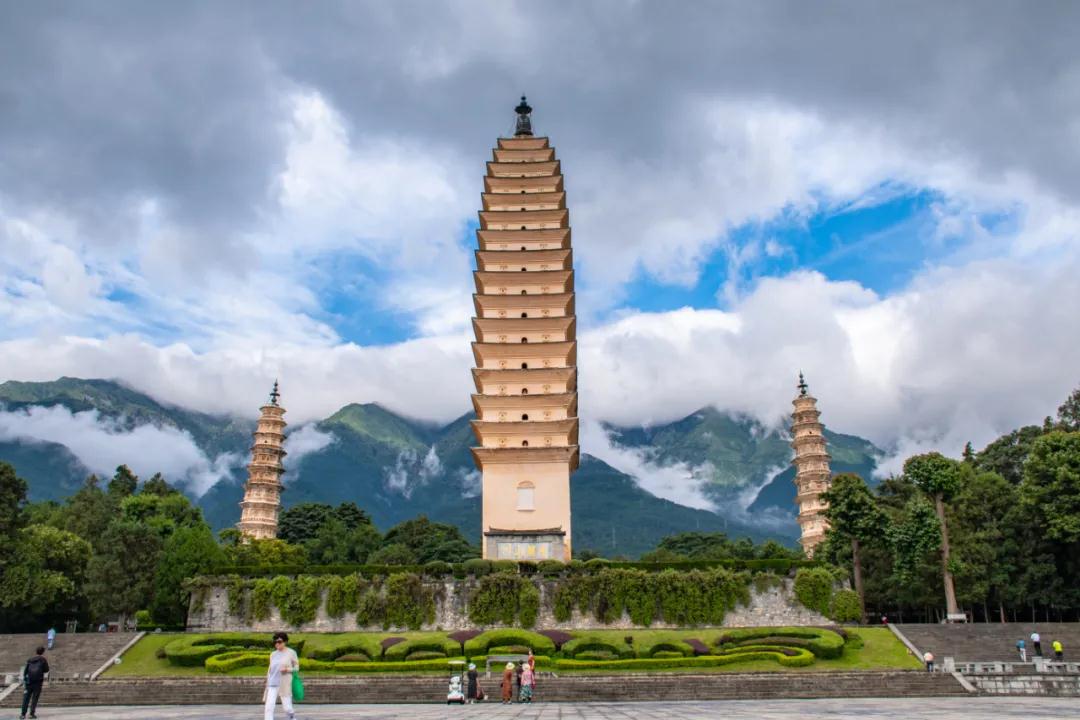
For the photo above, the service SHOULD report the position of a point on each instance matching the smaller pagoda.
(812, 471)
(262, 493)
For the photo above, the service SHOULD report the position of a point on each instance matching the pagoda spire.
(812, 472)
(524, 119)
(526, 423)
(262, 494)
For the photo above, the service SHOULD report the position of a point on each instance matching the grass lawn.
(880, 651)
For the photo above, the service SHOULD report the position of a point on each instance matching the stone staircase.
(73, 654)
(989, 642)
(432, 689)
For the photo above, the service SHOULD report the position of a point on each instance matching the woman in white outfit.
(283, 662)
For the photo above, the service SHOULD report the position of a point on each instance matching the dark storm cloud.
(104, 104)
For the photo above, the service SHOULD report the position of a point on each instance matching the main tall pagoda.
(526, 353)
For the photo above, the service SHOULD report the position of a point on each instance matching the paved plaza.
(948, 708)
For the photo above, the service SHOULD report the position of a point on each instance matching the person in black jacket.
(34, 674)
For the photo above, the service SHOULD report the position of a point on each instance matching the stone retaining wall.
(775, 606)
(1028, 684)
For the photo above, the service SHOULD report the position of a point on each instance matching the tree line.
(994, 536)
(120, 548)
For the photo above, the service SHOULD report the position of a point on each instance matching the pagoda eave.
(526, 456)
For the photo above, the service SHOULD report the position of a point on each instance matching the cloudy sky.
(196, 198)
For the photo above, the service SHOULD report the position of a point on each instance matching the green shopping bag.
(297, 686)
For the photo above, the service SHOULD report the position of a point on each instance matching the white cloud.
(303, 441)
(103, 444)
(678, 482)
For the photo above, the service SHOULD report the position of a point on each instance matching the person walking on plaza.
(526, 691)
(279, 677)
(928, 658)
(50, 638)
(33, 677)
(517, 683)
(1059, 651)
(1037, 642)
(1022, 650)
(472, 688)
(508, 683)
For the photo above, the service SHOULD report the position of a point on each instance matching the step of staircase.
(432, 689)
(990, 642)
(73, 654)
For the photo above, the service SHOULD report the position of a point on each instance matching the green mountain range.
(396, 467)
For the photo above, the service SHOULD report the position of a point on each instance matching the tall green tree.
(88, 512)
(123, 483)
(120, 577)
(939, 478)
(189, 551)
(13, 491)
(853, 514)
(429, 540)
(986, 535)
(1051, 489)
(1068, 414)
(43, 577)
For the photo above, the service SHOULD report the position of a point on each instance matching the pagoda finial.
(274, 394)
(524, 121)
(802, 384)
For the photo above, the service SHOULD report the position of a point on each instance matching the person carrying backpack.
(34, 674)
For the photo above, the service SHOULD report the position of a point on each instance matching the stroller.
(456, 693)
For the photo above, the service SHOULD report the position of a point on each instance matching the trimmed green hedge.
(477, 567)
(479, 645)
(802, 659)
(587, 644)
(822, 643)
(331, 647)
(542, 661)
(401, 651)
(227, 662)
(669, 646)
(378, 667)
(666, 654)
(194, 650)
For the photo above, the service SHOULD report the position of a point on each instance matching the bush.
(477, 567)
(597, 563)
(666, 654)
(183, 654)
(803, 659)
(437, 568)
(814, 589)
(409, 603)
(597, 655)
(493, 638)
(330, 647)
(424, 655)
(526, 567)
(403, 650)
(439, 664)
(589, 644)
(845, 606)
(195, 650)
(550, 568)
(504, 566)
(353, 657)
(819, 641)
(227, 662)
(342, 595)
(504, 598)
(680, 648)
